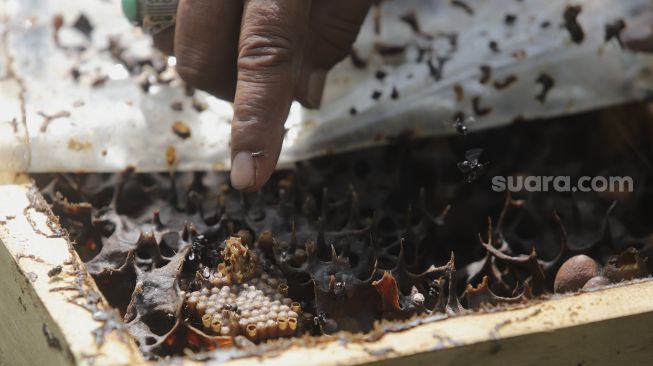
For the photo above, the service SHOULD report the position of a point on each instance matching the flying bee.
(471, 166)
(461, 124)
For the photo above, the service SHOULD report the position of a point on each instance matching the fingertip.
(243, 171)
(250, 171)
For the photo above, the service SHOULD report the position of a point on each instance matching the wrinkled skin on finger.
(261, 54)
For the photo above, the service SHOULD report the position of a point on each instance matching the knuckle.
(260, 50)
(248, 118)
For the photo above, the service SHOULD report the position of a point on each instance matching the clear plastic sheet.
(418, 64)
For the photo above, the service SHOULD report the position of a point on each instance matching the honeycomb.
(350, 242)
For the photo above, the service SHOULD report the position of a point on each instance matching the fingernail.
(315, 88)
(243, 172)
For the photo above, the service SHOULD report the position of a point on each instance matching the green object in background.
(151, 15)
(130, 9)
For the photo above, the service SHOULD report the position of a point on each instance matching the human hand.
(261, 54)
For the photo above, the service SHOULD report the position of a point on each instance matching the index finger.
(269, 59)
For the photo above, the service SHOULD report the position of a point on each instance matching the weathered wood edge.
(604, 327)
(41, 326)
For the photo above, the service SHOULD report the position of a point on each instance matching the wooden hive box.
(41, 325)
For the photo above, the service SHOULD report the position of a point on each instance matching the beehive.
(41, 325)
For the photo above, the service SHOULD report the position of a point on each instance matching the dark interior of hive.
(353, 242)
